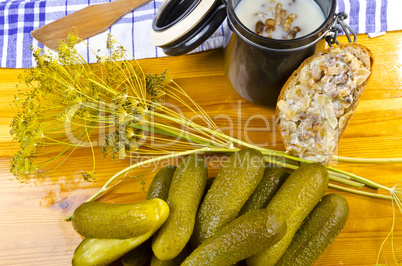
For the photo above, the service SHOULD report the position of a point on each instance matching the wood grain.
(32, 227)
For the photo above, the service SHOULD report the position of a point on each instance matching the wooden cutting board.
(32, 226)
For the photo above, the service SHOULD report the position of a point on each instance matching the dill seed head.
(66, 101)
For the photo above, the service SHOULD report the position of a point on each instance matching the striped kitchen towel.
(19, 17)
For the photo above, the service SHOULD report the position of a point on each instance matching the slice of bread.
(318, 100)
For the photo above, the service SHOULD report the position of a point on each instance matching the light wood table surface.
(32, 226)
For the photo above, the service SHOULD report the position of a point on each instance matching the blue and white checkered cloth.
(19, 17)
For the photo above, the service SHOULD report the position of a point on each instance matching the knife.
(89, 21)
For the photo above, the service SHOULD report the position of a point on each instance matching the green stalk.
(50, 160)
(363, 193)
(48, 172)
(219, 134)
(331, 176)
(360, 179)
(366, 160)
(190, 137)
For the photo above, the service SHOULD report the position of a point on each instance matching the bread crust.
(362, 53)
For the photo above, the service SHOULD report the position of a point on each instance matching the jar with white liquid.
(280, 19)
(257, 60)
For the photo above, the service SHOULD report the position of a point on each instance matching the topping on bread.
(318, 100)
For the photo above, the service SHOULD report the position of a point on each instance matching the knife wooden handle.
(89, 21)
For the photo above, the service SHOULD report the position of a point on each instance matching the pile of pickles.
(249, 214)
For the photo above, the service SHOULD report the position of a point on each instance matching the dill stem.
(61, 161)
(92, 149)
(188, 135)
(332, 177)
(359, 179)
(105, 87)
(59, 142)
(367, 160)
(50, 160)
(187, 123)
(172, 131)
(363, 193)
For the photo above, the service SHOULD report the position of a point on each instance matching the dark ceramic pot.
(257, 67)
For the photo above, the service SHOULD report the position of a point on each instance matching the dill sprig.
(69, 104)
(67, 100)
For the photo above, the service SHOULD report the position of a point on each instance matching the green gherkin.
(173, 262)
(102, 251)
(233, 185)
(160, 184)
(241, 238)
(185, 194)
(295, 199)
(119, 221)
(159, 188)
(271, 181)
(322, 226)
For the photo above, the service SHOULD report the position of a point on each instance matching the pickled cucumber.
(173, 262)
(160, 184)
(119, 221)
(139, 255)
(99, 252)
(185, 194)
(239, 239)
(295, 199)
(159, 188)
(322, 226)
(271, 181)
(233, 185)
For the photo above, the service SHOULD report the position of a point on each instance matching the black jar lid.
(180, 26)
